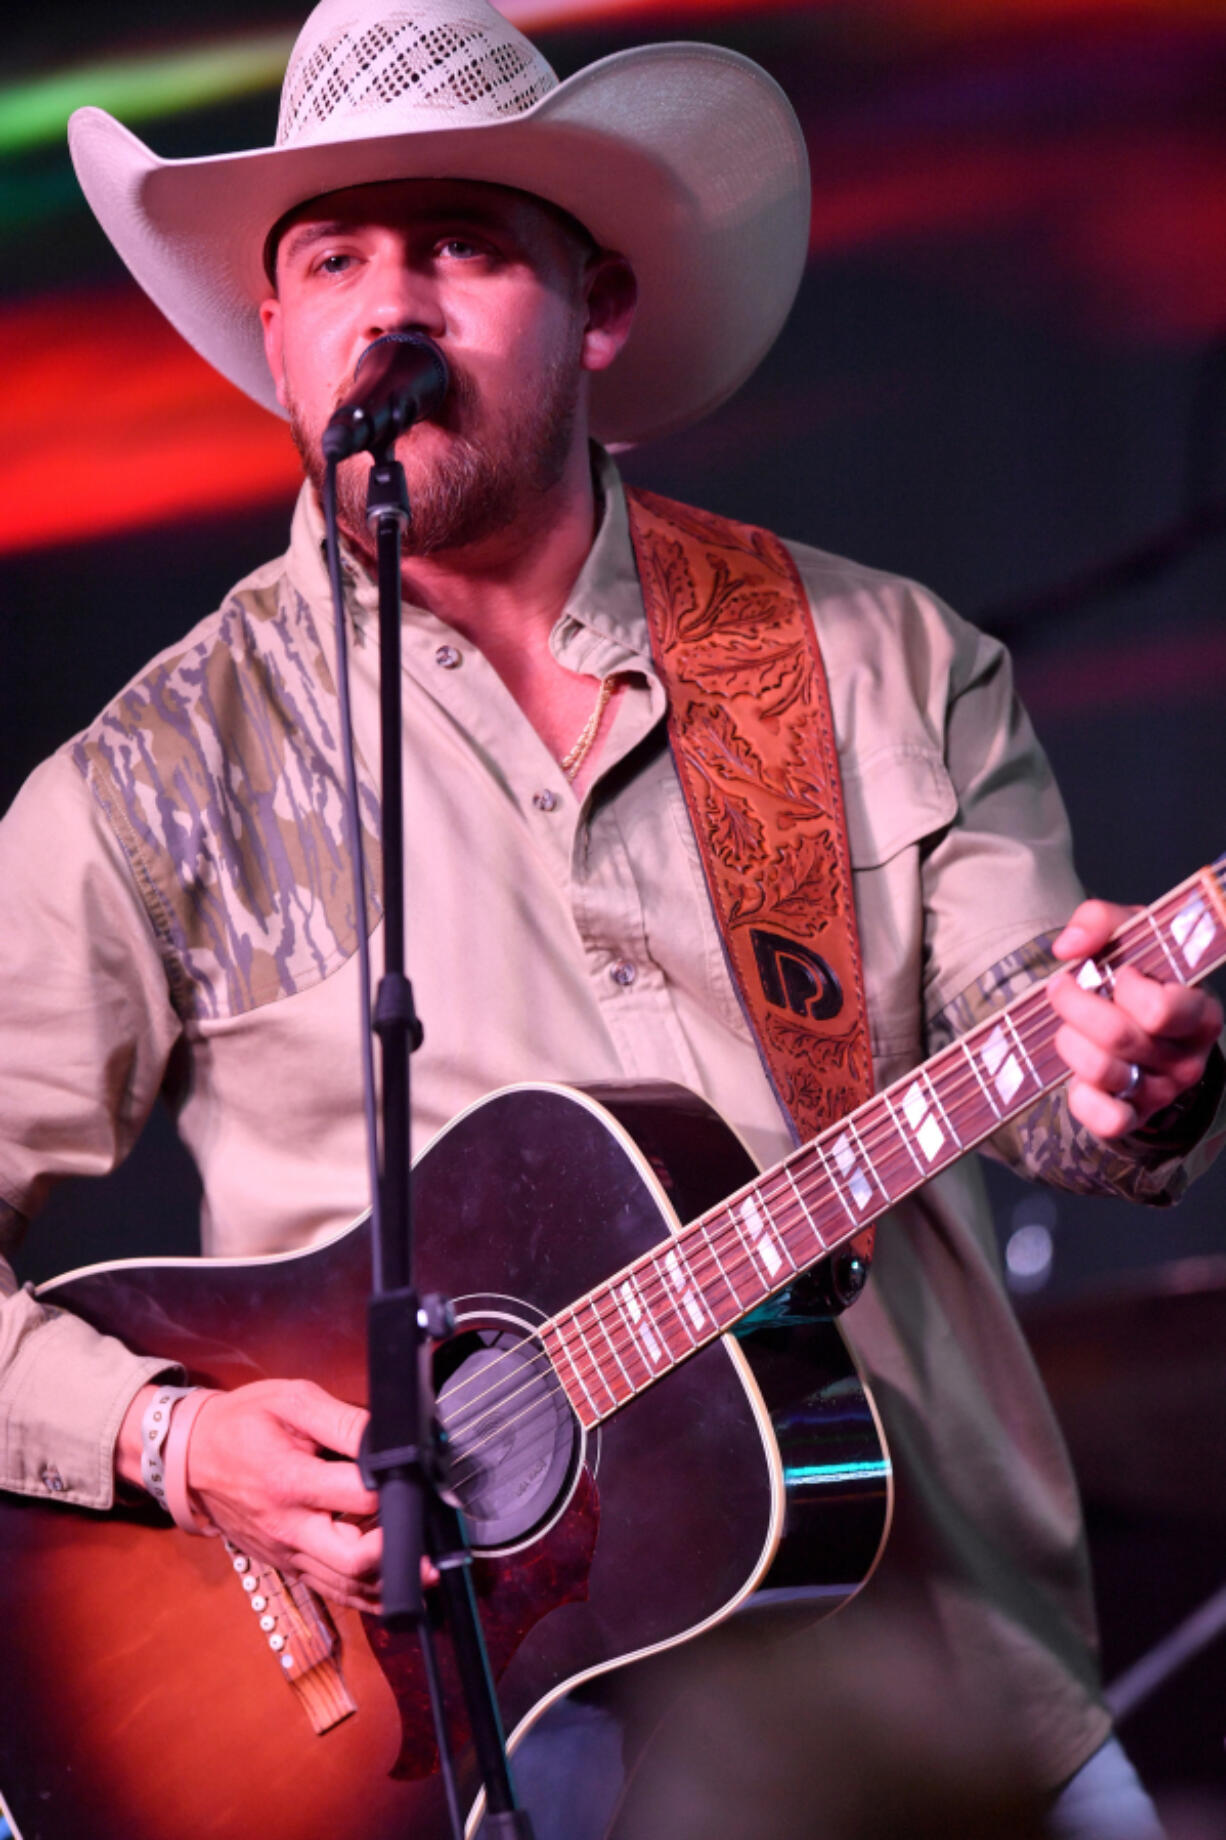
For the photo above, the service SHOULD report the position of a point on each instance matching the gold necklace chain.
(570, 763)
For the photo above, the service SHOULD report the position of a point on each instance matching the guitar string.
(700, 1232)
(968, 1083)
(786, 1218)
(789, 1214)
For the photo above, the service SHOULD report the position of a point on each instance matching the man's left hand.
(1163, 1030)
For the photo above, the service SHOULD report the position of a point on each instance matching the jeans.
(1104, 1801)
(568, 1773)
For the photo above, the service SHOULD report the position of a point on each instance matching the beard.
(483, 483)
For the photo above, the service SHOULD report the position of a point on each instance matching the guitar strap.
(753, 740)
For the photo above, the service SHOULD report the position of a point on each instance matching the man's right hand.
(272, 1466)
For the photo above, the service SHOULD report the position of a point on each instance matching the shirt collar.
(602, 622)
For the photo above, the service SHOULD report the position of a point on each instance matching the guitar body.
(140, 1700)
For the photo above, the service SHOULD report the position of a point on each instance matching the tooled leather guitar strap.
(753, 740)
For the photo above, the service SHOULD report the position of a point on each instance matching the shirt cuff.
(63, 1396)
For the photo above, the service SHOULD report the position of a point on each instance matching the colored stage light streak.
(109, 422)
(35, 113)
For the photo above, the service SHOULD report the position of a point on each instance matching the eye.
(334, 263)
(460, 248)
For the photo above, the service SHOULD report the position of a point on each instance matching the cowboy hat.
(685, 158)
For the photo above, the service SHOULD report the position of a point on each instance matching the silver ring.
(1135, 1076)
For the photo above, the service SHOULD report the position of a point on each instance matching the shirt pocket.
(896, 800)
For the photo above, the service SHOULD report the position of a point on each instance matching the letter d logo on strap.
(795, 978)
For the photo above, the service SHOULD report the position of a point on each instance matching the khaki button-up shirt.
(174, 882)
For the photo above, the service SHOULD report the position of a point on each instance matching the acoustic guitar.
(638, 1455)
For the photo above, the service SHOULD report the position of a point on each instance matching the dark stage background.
(1006, 375)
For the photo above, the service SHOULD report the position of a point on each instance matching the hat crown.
(371, 68)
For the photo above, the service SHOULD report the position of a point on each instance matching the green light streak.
(35, 114)
(807, 1474)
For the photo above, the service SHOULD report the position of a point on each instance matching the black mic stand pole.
(400, 1451)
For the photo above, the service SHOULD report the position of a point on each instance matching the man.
(611, 255)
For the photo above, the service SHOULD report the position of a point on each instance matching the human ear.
(611, 294)
(273, 327)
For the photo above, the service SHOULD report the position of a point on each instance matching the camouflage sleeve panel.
(1046, 1143)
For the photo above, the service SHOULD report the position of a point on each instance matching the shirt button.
(51, 1479)
(623, 972)
(545, 800)
(447, 657)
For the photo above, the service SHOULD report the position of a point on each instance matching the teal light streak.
(806, 1475)
(35, 113)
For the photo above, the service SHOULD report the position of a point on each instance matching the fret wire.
(750, 1263)
(1021, 1047)
(732, 1290)
(565, 1346)
(1166, 950)
(696, 1255)
(740, 1258)
(604, 1330)
(659, 1259)
(779, 1219)
(692, 1288)
(972, 1061)
(1216, 890)
(632, 1340)
(672, 1295)
(751, 1202)
(821, 1199)
(778, 1234)
(591, 1347)
(940, 1103)
(607, 1310)
(700, 1235)
(903, 1136)
(594, 1363)
(793, 1221)
(854, 1132)
(835, 1186)
(813, 1226)
(656, 1328)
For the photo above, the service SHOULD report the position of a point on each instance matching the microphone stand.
(402, 1452)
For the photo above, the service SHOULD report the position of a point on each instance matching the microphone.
(400, 379)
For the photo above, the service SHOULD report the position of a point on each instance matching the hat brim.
(686, 159)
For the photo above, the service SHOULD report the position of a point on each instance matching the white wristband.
(179, 1503)
(153, 1428)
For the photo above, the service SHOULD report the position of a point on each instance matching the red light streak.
(109, 422)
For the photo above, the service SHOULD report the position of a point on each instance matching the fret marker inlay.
(1004, 1068)
(928, 1133)
(851, 1172)
(642, 1328)
(1193, 930)
(679, 1279)
(761, 1236)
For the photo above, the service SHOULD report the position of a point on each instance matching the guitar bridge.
(300, 1636)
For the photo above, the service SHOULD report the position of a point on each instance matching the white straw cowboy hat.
(685, 158)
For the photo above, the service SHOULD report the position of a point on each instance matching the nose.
(401, 297)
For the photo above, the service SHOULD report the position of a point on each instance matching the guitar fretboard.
(613, 1343)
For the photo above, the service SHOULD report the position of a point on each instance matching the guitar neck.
(612, 1344)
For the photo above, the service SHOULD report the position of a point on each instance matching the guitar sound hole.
(513, 1441)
